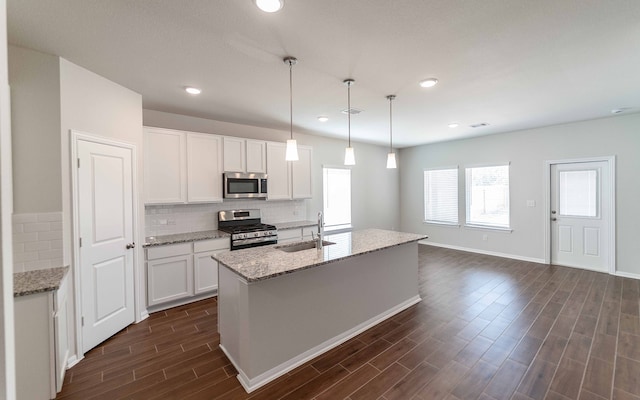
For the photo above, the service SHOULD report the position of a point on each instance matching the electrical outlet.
(531, 203)
(485, 237)
(171, 222)
(162, 221)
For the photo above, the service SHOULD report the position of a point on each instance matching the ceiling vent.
(352, 111)
(480, 125)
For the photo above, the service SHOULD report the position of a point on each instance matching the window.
(441, 196)
(488, 196)
(336, 185)
(578, 193)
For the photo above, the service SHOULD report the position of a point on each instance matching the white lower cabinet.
(41, 343)
(295, 234)
(183, 272)
(205, 267)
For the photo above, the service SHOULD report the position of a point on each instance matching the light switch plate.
(531, 203)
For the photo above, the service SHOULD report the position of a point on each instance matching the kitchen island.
(278, 309)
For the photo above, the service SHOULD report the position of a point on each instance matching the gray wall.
(35, 120)
(375, 189)
(527, 151)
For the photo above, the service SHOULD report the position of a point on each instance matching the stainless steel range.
(246, 229)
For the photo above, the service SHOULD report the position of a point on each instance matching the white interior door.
(105, 210)
(580, 212)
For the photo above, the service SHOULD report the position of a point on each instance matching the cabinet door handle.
(131, 245)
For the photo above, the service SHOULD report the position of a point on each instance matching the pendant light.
(391, 157)
(349, 156)
(292, 147)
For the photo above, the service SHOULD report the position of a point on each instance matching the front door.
(105, 212)
(580, 212)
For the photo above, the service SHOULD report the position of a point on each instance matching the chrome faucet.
(320, 237)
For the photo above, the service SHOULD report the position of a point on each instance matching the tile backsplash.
(182, 218)
(37, 241)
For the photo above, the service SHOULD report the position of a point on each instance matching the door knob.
(554, 219)
(553, 212)
(131, 245)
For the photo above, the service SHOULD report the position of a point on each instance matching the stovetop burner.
(246, 229)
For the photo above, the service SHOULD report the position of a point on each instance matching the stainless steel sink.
(311, 244)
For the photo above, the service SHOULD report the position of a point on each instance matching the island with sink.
(282, 305)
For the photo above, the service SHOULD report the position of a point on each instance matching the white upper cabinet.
(288, 179)
(301, 173)
(204, 168)
(279, 172)
(234, 155)
(244, 155)
(182, 167)
(165, 169)
(256, 156)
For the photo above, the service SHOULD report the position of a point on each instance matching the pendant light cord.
(390, 125)
(291, 97)
(349, 110)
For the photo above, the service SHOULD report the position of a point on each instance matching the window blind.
(441, 196)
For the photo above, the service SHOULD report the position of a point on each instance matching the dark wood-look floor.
(487, 328)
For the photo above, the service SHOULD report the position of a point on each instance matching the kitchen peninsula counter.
(278, 310)
(265, 262)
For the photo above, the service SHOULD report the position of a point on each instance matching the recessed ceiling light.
(270, 6)
(427, 83)
(619, 110)
(323, 118)
(352, 111)
(453, 125)
(192, 90)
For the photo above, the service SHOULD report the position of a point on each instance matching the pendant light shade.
(349, 155)
(391, 161)
(391, 157)
(292, 146)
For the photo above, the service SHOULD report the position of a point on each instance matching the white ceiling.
(514, 64)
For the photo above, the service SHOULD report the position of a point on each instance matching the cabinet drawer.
(211, 245)
(154, 253)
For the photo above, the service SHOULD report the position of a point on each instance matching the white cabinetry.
(183, 272)
(169, 273)
(295, 234)
(301, 173)
(165, 168)
(256, 156)
(41, 343)
(204, 168)
(182, 167)
(244, 155)
(205, 267)
(289, 235)
(279, 172)
(288, 179)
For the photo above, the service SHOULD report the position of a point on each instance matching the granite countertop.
(260, 263)
(38, 281)
(151, 241)
(292, 224)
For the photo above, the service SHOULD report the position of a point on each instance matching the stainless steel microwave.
(238, 185)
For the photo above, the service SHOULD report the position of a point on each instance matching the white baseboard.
(250, 385)
(73, 360)
(627, 275)
(143, 315)
(485, 252)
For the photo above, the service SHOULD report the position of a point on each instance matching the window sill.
(446, 224)
(489, 228)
